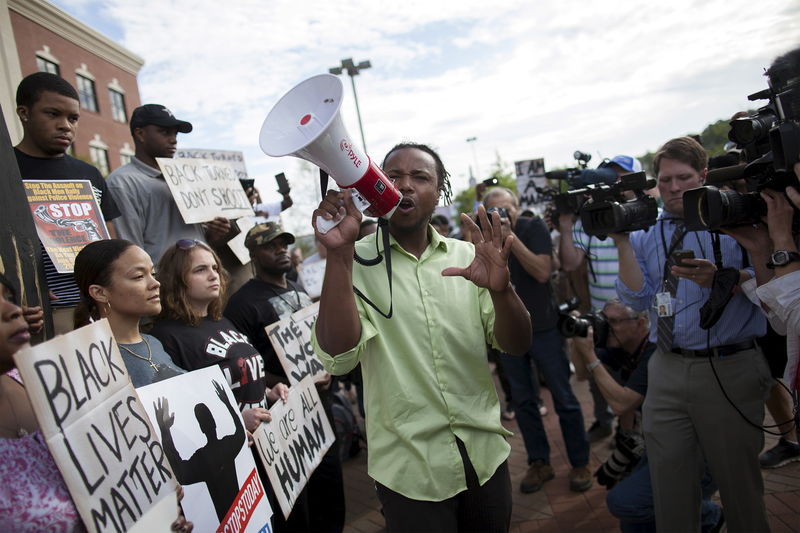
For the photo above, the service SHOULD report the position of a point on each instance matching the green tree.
(465, 199)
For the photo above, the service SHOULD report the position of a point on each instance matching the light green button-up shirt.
(426, 374)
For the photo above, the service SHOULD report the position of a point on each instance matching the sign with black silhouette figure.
(531, 184)
(293, 444)
(67, 218)
(291, 338)
(205, 443)
(98, 432)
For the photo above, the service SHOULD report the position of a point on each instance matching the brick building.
(37, 36)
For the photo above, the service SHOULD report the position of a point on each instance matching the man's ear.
(24, 113)
(703, 174)
(138, 134)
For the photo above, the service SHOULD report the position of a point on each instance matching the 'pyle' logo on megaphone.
(344, 146)
(305, 123)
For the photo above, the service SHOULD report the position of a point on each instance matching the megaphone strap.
(383, 228)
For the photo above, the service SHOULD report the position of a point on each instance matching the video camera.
(770, 142)
(578, 177)
(578, 326)
(607, 210)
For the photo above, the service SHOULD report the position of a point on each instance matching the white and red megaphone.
(305, 123)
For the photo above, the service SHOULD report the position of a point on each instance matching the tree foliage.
(464, 201)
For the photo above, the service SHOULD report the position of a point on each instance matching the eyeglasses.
(187, 244)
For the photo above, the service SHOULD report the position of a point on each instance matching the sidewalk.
(555, 508)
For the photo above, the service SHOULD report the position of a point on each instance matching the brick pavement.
(555, 508)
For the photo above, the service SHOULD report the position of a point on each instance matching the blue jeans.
(547, 352)
(631, 500)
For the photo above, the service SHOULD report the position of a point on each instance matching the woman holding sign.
(33, 495)
(196, 335)
(117, 282)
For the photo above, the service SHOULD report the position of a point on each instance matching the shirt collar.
(436, 241)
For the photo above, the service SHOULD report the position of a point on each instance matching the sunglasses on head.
(187, 244)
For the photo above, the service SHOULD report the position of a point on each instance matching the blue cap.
(627, 162)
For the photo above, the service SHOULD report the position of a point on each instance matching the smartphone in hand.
(283, 184)
(678, 256)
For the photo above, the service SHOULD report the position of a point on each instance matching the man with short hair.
(150, 217)
(575, 246)
(530, 265)
(626, 474)
(706, 388)
(437, 449)
(49, 109)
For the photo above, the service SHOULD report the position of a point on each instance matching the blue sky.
(528, 79)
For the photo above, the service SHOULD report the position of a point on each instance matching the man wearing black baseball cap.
(150, 218)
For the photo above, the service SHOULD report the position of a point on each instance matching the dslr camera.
(578, 326)
(770, 142)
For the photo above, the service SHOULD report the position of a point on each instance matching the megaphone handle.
(324, 226)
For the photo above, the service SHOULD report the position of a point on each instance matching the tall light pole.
(471, 141)
(353, 70)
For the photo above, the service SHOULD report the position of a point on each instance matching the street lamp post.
(471, 141)
(352, 70)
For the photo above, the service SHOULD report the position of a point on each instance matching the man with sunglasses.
(627, 350)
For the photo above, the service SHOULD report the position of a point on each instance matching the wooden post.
(20, 251)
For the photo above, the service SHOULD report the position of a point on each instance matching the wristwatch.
(781, 258)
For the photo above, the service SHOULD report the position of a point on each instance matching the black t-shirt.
(634, 370)
(65, 168)
(258, 304)
(537, 297)
(217, 342)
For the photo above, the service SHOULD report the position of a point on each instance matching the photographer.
(777, 288)
(628, 350)
(701, 379)
(575, 246)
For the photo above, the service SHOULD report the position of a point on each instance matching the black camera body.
(770, 142)
(608, 210)
(578, 326)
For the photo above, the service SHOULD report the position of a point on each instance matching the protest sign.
(97, 430)
(204, 189)
(67, 218)
(530, 184)
(293, 444)
(234, 157)
(205, 442)
(291, 338)
(236, 244)
(311, 276)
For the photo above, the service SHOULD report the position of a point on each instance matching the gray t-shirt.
(139, 368)
(150, 217)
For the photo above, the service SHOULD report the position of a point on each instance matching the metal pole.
(358, 113)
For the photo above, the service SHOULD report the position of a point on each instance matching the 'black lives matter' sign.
(98, 432)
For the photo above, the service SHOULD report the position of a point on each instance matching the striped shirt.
(603, 265)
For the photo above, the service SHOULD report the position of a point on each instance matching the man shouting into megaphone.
(437, 449)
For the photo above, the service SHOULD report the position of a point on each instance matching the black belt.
(717, 351)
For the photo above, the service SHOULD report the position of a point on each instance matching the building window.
(99, 159)
(45, 65)
(125, 158)
(118, 106)
(87, 94)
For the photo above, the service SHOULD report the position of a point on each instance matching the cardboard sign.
(97, 430)
(311, 276)
(236, 244)
(204, 189)
(293, 444)
(234, 157)
(530, 183)
(205, 442)
(291, 338)
(67, 218)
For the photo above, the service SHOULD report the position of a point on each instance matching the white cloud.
(528, 79)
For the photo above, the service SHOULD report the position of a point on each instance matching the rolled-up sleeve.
(339, 364)
(643, 298)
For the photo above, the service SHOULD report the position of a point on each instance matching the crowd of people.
(688, 403)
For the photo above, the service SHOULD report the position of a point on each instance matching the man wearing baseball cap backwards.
(603, 267)
(264, 300)
(150, 218)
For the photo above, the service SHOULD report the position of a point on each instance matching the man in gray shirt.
(150, 217)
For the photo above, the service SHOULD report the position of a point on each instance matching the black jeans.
(485, 508)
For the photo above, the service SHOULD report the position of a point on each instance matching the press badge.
(664, 304)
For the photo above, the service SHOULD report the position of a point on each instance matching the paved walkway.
(556, 508)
